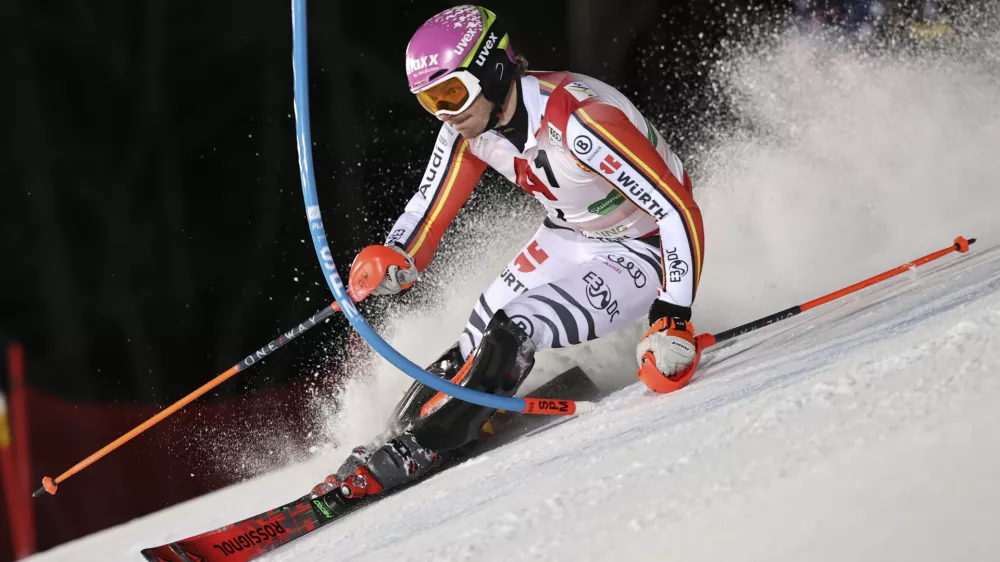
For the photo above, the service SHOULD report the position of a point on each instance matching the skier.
(623, 236)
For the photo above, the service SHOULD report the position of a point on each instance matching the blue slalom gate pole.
(300, 67)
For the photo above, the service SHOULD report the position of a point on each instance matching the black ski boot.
(437, 424)
(498, 366)
(408, 409)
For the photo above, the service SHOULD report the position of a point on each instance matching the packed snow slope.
(865, 429)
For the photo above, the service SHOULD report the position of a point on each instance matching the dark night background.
(152, 210)
(151, 216)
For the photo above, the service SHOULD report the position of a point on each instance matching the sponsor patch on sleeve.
(580, 91)
(555, 137)
(555, 134)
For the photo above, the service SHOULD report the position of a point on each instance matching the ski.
(262, 533)
(252, 537)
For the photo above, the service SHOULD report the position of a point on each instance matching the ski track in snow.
(859, 431)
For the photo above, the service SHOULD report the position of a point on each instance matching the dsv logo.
(631, 268)
(599, 295)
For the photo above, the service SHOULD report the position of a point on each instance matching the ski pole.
(705, 341)
(50, 485)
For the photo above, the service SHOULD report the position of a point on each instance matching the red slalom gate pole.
(11, 490)
(26, 544)
(705, 341)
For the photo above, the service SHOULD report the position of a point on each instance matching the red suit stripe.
(612, 126)
(459, 180)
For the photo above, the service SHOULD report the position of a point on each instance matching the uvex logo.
(609, 165)
(413, 65)
(469, 34)
(490, 41)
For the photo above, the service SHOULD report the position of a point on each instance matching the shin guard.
(498, 366)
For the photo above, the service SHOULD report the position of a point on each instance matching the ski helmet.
(466, 41)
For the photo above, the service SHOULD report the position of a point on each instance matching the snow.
(861, 431)
(864, 429)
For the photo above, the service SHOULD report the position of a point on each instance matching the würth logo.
(609, 164)
(538, 255)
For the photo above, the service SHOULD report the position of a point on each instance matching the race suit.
(622, 226)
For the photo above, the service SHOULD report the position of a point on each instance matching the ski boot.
(408, 410)
(498, 366)
(365, 472)
(358, 457)
(431, 425)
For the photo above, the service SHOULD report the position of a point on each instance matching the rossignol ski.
(262, 533)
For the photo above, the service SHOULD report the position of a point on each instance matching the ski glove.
(381, 270)
(667, 353)
(400, 275)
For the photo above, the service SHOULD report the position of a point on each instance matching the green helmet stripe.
(488, 19)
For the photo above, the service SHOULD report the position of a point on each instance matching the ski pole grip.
(705, 341)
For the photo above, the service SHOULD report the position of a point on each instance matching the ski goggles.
(451, 94)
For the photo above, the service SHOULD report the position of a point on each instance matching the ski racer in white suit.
(623, 237)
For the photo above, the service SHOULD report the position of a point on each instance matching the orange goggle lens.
(450, 95)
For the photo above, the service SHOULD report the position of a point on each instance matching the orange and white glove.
(400, 274)
(668, 353)
(381, 270)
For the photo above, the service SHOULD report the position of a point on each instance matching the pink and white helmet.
(463, 38)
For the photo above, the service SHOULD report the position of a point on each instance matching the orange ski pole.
(50, 485)
(961, 245)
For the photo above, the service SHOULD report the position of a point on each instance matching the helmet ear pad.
(496, 112)
(497, 71)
